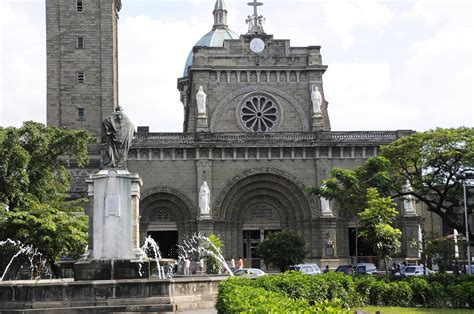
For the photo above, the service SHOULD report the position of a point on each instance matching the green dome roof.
(214, 38)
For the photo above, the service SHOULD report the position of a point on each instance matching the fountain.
(114, 274)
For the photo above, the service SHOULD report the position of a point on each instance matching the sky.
(393, 65)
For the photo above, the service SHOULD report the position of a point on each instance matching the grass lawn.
(405, 310)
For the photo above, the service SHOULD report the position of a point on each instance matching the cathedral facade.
(256, 130)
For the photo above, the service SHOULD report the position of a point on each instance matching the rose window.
(259, 114)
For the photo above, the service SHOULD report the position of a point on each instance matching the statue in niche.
(201, 101)
(205, 199)
(317, 100)
(325, 207)
(408, 200)
(118, 132)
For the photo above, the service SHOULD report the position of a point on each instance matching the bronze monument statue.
(118, 132)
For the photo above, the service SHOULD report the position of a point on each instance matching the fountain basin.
(111, 269)
(132, 295)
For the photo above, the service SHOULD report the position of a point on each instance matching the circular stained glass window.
(259, 114)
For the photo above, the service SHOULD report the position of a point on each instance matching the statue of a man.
(201, 101)
(205, 199)
(118, 132)
(317, 99)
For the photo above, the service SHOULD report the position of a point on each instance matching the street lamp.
(463, 177)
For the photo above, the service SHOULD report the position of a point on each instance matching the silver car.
(311, 269)
(249, 272)
(412, 271)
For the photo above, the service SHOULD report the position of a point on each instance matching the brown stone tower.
(82, 65)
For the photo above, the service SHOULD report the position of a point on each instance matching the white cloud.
(22, 64)
(343, 17)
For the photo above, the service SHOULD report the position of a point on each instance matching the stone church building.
(260, 141)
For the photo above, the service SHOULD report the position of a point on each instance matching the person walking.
(232, 264)
(187, 267)
(241, 263)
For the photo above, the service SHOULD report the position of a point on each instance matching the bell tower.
(82, 62)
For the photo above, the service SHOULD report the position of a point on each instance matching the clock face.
(257, 45)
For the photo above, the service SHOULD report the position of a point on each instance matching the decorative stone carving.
(205, 199)
(259, 114)
(119, 132)
(201, 98)
(303, 118)
(317, 100)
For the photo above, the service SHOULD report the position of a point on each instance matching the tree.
(214, 245)
(430, 161)
(282, 249)
(34, 186)
(376, 227)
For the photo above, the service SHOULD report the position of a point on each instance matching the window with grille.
(80, 78)
(80, 114)
(80, 42)
(79, 6)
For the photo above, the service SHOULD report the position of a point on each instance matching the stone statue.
(205, 199)
(325, 207)
(201, 101)
(317, 100)
(118, 132)
(250, 21)
(408, 200)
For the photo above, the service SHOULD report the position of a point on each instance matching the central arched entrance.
(257, 203)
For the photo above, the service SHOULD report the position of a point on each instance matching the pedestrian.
(241, 263)
(187, 266)
(326, 270)
(232, 264)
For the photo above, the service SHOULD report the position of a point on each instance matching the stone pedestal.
(328, 233)
(318, 122)
(114, 228)
(202, 125)
(205, 226)
(410, 225)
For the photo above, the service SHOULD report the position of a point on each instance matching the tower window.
(80, 42)
(80, 78)
(79, 5)
(80, 114)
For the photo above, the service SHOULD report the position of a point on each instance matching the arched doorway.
(257, 203)
(165, 216)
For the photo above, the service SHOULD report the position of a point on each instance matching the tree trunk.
(385, 260)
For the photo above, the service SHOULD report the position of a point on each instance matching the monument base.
(105, 269)
(318, 122)
(202, 125)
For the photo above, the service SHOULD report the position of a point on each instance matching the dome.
(214, 38)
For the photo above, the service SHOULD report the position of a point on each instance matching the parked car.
(311, 269)
(249, 272)
(346, 269)
(367, 269)
(411, 271)
(362, 268)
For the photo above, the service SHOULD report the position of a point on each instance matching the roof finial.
(255, 21)
(220, 15)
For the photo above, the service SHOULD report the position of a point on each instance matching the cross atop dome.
(255, 21)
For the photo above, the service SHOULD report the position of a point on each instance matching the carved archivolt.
(225, 194)
(161, 194)
(260, 88)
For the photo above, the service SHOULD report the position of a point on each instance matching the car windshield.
(410, 269)
(361, 269)
(293, 268)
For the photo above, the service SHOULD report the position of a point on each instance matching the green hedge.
(335, 292)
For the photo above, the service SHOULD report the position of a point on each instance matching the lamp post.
(463, 178)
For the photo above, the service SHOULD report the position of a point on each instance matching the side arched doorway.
(257, 203)
(165, 216)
